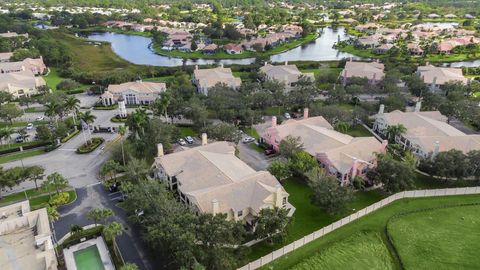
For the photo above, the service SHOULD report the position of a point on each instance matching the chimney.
(305, 113)
(436, 148)
(278, 195)
(381, 109)
(355, 166)
(384, 145)
(159, 150)
(215, 207)
(266, 63)
(221, 65)
(204, 139)
(418, 106)
(350, 60)
(286, 63)
(274, 121)
(196, 67)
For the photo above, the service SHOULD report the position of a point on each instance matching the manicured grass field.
(20, 155)
(360, 251)
(375, 223)
(438, 239)
(308, 217)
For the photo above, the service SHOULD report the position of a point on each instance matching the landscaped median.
(90, 146)
(367, 227)
(38, 198)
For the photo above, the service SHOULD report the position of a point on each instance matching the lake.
(135, 49)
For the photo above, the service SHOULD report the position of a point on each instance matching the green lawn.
(364, 250)
(187, 131)
(318, 71)
(375, 223)
(160, 79)
(20, 155)
(428, 182)
(20, 124)
(53, 79)
(359, 131)
(16, 145)
(42, 201)
(308, 217)
(38, 198)
(438, 239)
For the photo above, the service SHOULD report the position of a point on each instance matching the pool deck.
(102, 249)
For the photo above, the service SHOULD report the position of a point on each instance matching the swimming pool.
(88, 259)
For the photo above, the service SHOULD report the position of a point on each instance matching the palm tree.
(122, 130)
(161, 104)
(394, 131)
(53, 213)
(138, 120)
(55, 181)
(137, 169)
(5, 134)
(88, 117)
(112, 230)
(53, 110)
(72, 104)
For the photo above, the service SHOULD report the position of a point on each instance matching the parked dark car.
(269, 152)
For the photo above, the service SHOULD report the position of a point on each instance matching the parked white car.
(40, 118)
(181, 142)
(248, 139)
(29, 126)
(287, 115)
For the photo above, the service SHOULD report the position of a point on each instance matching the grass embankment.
(358, 131)
(187, 131)
(89, 58)
(221, 54)
(375, 222)
(308, 217)
(438, 238)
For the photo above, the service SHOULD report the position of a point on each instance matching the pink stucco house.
(340, 154)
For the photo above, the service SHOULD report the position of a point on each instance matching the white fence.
(344, 221)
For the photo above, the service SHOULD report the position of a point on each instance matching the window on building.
(284, 202)
(240, 213)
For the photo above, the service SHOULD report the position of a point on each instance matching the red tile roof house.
(341, 155)
(233, 48)
(448, 45)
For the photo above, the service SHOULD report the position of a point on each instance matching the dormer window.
(240, 213)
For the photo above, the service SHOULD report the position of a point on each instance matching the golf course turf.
(440, 238)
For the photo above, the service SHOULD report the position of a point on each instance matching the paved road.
(80, 170)
(254, 159)
(95, 196)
